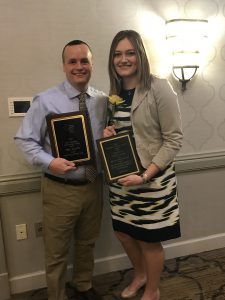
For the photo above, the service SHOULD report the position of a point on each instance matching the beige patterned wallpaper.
(33, 33)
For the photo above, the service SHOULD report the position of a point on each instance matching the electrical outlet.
(38, 229)
(21, 232)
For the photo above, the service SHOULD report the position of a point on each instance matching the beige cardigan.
(156, 122)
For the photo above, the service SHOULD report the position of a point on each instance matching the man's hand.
(60, 166)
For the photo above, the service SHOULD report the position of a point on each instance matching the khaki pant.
(70, 211)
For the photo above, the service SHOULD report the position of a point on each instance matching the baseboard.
(27, 282)
(172, 250)
(36, 280)
(193, 246)
(4, 286)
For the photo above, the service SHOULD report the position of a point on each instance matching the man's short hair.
(72, 43)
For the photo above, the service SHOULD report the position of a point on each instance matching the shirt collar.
(72, 92)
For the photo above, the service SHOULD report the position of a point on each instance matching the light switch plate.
(21, 232)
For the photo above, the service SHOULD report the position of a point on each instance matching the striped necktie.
(90, 170)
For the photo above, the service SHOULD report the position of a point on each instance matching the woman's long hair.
(143, 67)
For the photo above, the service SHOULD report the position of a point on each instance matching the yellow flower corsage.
(115, 100)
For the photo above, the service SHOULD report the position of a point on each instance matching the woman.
(144, 207)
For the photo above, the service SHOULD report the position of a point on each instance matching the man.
(72, 205)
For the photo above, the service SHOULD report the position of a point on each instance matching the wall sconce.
(186, 40)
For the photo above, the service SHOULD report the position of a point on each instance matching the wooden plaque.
(119, 156)
(70, 137)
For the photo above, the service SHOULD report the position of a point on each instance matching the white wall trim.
(4, 286)
(27, 282)
(30, 182)
(103, 265)
(196, 245)
(20, 184)
(201, 161)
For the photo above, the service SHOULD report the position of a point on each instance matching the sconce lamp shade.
(186, 41)
(184, 74)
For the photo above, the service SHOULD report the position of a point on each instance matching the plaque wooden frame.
(119, 156)
(71, 137)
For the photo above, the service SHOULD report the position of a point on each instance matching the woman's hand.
(109, 131)
(131, 180)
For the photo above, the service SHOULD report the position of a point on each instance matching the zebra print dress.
(147, 212)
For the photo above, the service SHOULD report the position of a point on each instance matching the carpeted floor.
(194, 277)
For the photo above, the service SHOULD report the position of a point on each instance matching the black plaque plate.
(119, 156)
(70, 137)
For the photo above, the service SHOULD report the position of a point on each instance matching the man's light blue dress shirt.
(33, 138)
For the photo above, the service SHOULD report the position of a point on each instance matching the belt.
(66, 180)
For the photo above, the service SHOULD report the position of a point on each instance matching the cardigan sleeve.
(170, 123)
